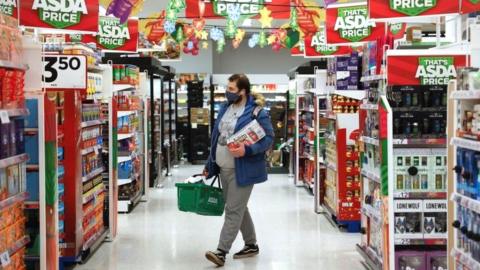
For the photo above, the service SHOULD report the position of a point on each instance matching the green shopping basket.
(200, 198)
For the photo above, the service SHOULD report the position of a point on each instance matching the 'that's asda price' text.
(352, 23)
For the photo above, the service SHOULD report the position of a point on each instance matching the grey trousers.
(237, 216)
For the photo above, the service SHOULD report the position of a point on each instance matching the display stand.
(154, 69)
(342, 186)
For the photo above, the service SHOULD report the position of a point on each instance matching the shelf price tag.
(65, 71)
(4, 119)
(5, 259)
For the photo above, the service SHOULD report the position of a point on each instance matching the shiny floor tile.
(290, 235)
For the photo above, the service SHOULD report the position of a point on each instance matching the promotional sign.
(65, 71)
(316, 46)
(80, 15)
(384, 9)
(397, 30)
(248, 8)
(423, 69)
(9, 7)
(469, 6)
(113, 35)
(349, 23)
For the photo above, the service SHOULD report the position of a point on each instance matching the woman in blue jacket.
(239, 168)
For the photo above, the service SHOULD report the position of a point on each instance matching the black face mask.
(232, 97)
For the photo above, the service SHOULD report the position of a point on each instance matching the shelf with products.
(343, 192)
(464, 189)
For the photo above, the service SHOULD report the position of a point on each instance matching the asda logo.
(396, 28)
(60, 13)
(319, 42)
(353, 24)
(112, 34)
(412, 7)
(8, 6)
(436, 70)
(246, 7)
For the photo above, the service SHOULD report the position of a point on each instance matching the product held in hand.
(248, 135)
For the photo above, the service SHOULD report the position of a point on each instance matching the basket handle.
(216, 179)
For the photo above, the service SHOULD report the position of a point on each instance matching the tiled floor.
(290, 235)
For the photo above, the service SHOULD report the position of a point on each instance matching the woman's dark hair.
(242, 82)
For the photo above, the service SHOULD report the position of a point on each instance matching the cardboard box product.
(199, 116)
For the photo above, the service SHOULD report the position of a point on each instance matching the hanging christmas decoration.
(171, 15)
(177, 5)
(271, 39)
(253, 41)
(216, 34)
(188, 30)
(293, 19)
(204, 45)
(233, 12)
(155, 30)
(203, 35)
(220, 45)
(231, 28)
(169, 26)
(281, 34)
(190, 46)
(122, 8)
(277, 46)
(198, 24)
(240, 34)
(307, 18)
(293, 37)
(265, 18)
(262, 40)
(179, 37)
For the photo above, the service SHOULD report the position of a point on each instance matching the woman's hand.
(237, 151)
(205, 172)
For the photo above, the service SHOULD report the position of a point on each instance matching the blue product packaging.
(31, 147)
(31, 121)
(33, 186)
(4, 139)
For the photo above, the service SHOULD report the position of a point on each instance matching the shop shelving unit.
(153, 69)
(464, 187)
(168, 120)
(376, 146)
(341, 201)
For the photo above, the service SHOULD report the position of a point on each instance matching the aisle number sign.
(9, 7)
(317, 47)
(113, 35)
(350, 23)
(423, 69)
(81, 15)
(65, 71)
(383, 9)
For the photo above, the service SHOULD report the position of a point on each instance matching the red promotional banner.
(79, 15)
(349, 23)
(218, 8)
(9, 7)
(113, 35)
(412, 69)
(384, 9)
(469, 6)
(315, 46)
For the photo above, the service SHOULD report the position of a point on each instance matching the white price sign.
(65, 71)
(4, 119)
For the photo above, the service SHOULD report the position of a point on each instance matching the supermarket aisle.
(157, 236)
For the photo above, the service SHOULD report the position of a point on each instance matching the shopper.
(239, 168)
